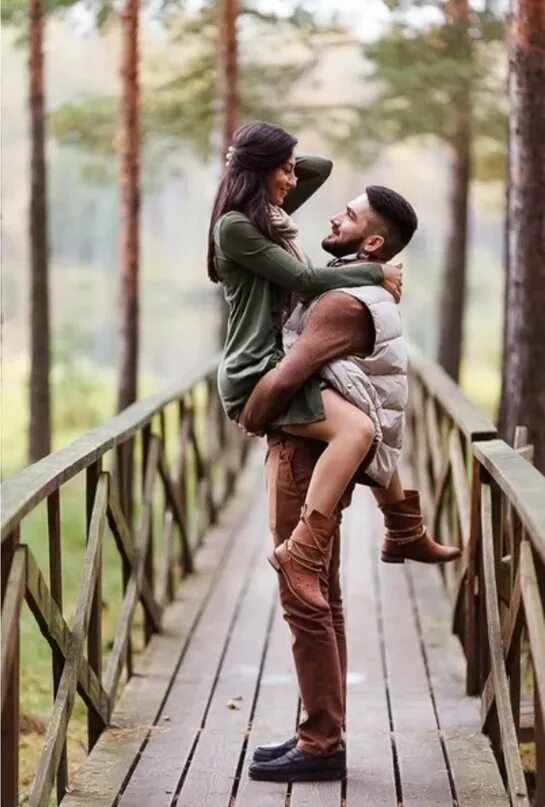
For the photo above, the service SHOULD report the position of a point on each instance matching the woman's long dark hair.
(258, 148)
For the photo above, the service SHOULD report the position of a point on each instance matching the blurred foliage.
(15, 12)
(82, 394)
(416, 72)
(181, 102)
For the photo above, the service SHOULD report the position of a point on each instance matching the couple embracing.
(314, 358)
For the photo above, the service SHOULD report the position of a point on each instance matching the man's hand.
(393, 279)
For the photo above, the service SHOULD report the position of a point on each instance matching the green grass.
(481, 382)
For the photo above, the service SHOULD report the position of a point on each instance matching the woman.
(254, 254)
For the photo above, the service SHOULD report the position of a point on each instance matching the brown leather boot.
(407, 537)
(303, 557)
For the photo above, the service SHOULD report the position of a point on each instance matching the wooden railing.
(477, 492)
(486, 497)
(154, 479)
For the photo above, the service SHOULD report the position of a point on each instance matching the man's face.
(355, 229)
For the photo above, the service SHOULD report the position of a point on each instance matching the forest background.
(179, 308)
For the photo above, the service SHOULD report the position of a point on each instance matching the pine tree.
(438, 78)
(228, 71)
(34, 14)
(523, 387)
(40, 417)
(130, 207)
(183, 107)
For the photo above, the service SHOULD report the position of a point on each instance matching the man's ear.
(373, 243)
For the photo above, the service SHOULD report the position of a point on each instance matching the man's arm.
(338, 325)
(242, 242)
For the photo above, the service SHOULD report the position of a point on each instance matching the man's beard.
(340, 249)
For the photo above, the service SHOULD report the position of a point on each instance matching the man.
(375, 225)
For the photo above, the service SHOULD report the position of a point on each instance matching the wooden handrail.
(486, 497)
(477, 492)
(27, 488)
(181, 498)
(469, 420)
(521, 483)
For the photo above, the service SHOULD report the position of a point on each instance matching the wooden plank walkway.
(219, 680)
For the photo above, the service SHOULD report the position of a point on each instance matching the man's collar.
(356, 257)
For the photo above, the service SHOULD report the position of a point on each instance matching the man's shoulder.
(370, 294)
(337, 300)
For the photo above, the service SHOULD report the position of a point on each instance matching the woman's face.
(281, 180)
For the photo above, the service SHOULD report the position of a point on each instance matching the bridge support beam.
(10, 712)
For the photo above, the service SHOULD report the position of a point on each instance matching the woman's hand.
(393, 279)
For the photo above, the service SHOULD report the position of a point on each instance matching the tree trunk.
(230, 103)
(130, 206)
(40, 415)
(523, 388)
(229, 87)
(453, 291)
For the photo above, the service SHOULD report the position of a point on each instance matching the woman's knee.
(357, 433)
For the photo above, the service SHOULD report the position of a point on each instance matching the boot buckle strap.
(306, 521)
(292, 546)
(406, 537)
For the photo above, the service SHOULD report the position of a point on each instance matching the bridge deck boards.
(412, 735)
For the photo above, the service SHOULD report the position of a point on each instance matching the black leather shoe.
(297, 765)
(264, 753)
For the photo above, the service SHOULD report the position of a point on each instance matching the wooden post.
(483, 649)
(167, 519)
(514, 671)
(124, 477)
(185, 557)
(472, 633)
(493, 730)
(148, 565)
(94, 637)
(55, 584)
(10, 713)
(539, 734)
(514, 530)
(539, 708)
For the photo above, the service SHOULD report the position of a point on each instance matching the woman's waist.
(236, 378)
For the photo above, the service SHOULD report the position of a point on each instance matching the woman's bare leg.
(348, 433)
(301, 559)
(393, 493)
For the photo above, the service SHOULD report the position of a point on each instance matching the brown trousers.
(318, 640)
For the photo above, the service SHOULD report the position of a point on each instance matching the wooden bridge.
(446, 685)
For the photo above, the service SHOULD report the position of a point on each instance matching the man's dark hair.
(396, 213)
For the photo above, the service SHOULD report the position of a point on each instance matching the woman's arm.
(241, 241)
(311, 173)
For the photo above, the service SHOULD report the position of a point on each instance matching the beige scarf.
(288, 231)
